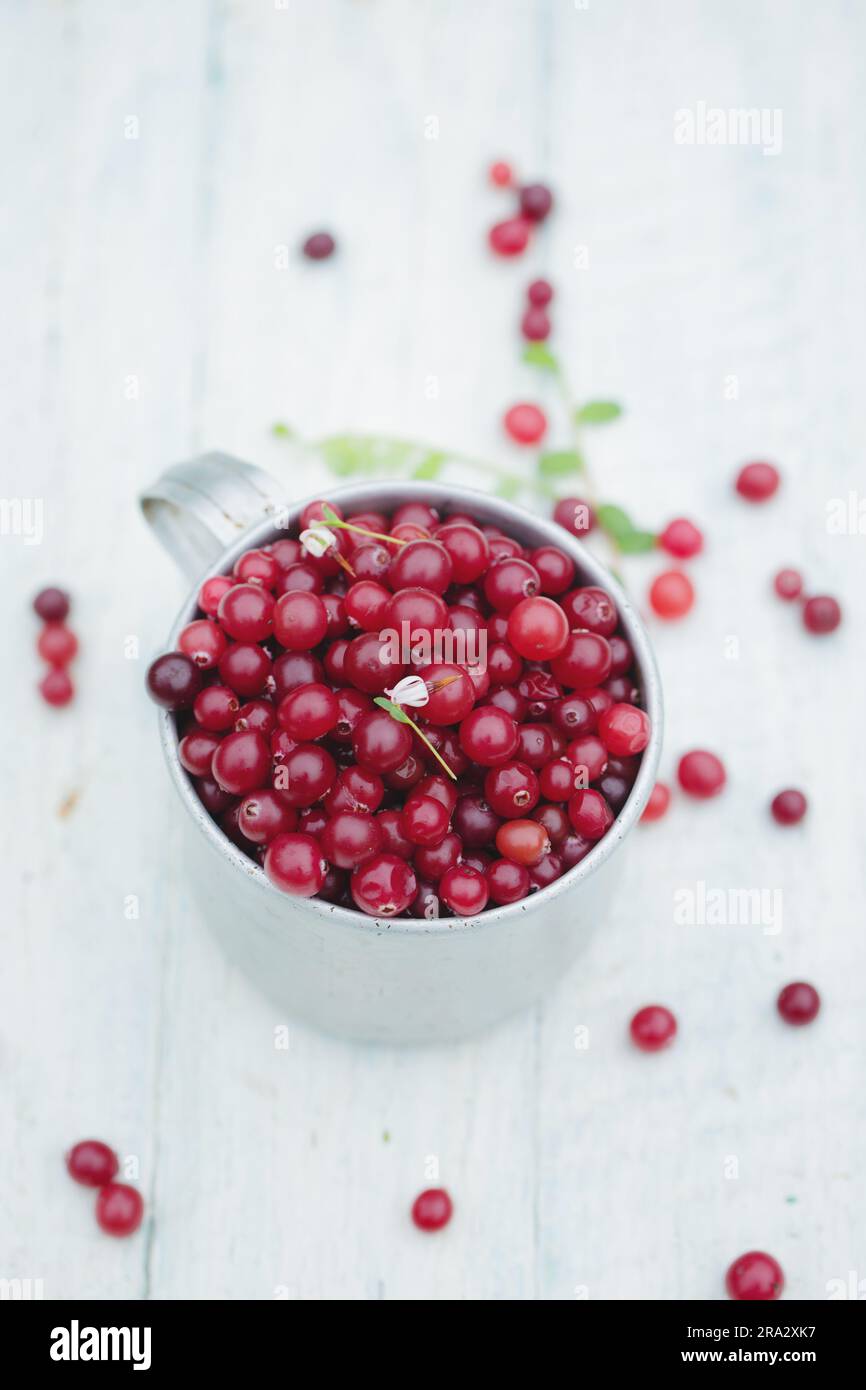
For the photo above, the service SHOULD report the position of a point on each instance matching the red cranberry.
(393, 839)
(540, 293)
(537, 627)
(245, 667)
(369, 666)
(56, 687)
(624, 730)
(292, 669)
(212, 797)
(572, 849)
(659, 800)
(798, 1003)
(92, 1163)
(257, 567)
(432, 861)
(504, 666)
(501, 548)
(384, 886)
(507, 882)
(294, 863)
(509, 582)
(681, 538)
(523, 841)
(371, 561)
(246, 613)
(757, 481)
(475, 822)
(300, 621)
(338, 621)
(534, 745)
(573, 715)
(306, 774)
(615, 789)
(380, 743)
(451, 693)
(319, 246)
(173, 681)
(425, 614)
(366, 604)
(356, 789)
(671, 594)
(203, 642)
(302, 577)
(536, 200)
(415, 514)
(57, 644)
(592, 608)
(511, 790)
(264, 814)
(555, 569)
(352, 705)
(788, 807)
(424, 820)
(590, 814)
(653, 1027)
(556, 780)
(701, 774)
(242, 762)
(488, 736)
(500, 174)
(584, 661)
(468, 548)
(622, 690)
(309, 712)
(574, 515)
(51, 605)
(754, 1277)
(511, 237)
(588, 755)
(195, 751)
(211, 592)
(545, 873)
(621, 655)
(432, 1209)
(259, 715)
(555, 822)
(350, 839)
(421, 564)
(464, 889)
(407, 775)
(821, 614)
(440, 789)
(535, 325)
(119, 1209)
(526, 423)
(788, 584)
(286, 552)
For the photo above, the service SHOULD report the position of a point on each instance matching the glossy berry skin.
(356, 789)
(592, 608)
(263, 815)
(119, 1209)
(508, 582)
(423, 564)
(821, 615)
(424, 820)
(300, 620)
(257, 714)
(432, 1209)
(574, 515)
(257, 567)
(246, 613)
(212, 796)
(195, 751)
(590, 814)
(292, 669)
(380, 743)
(681, 538)
(755, 1277)
(537, 628)
(757, 481)
(511, 790)
(211, 592)
(57, 644)
(215, 708)
(384, 886)
(203, 642)
(539, 293)
(524, 841)
(173, 681)
(525, 423)
(555, 569)
(306, 774)
(584, 661)
(464, 889)
(535, 325)
(451, 693)
(56, 687)
(51, 605)
(350, 838)
(701, 774)
(393, 841)
(468, 548)
(658, 803)
(423, 612)
(309, 712)
(536, 200)
(671, 594)
(242, 762)
(652, 1028)
(365, 604)
(788, 807)
(788, 584)
(488, 736)
(507, 882)
(534, 745)
(303, 577)
(798, 1003)
(319, 246)
(245, 667)
(368, 665)
(556, 780)
(624, 730)
(92, 1163)
(475, 822)
(294, 863)
(587, 755)
(511, 237)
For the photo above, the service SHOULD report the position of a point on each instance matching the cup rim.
(515, 520)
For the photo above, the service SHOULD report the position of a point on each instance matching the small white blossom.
(317, 540)
(411, 690)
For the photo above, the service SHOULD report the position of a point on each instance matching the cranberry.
(555, 569)
(352, 705)
(371, 561)
(501, 548)
(356, 789)
(424, 820)
(511, 790)
(416, 514)
(338, 621)
(195, 751)
(488, 736)
(509, 582)
(257, 567)
(798, 1003)
(788, 807)
(671, 594)
(335, 887)
(350, 839)
(51, 605)
(246, 613)
(119, 1209)
(624, 730)
(286, 552)
(56, 687)
(574, 714)
(203, 642)
(292, 669)
(300, 621)
(212, 797)
(294, 863)
(621, 655)
(432, 861)
(380, 743)
(535, 325)
(312, 820)
(536, 200)
(302, 577)
(57, 644)
(590, 814)
(464, 889)
(545, 873)
(432, 1209)
(622, 690)
(468, 548)
(306, 774)
(526, 423)
(507, 882)
(242, 762)
(584, 661)
(788, 584)
(590, 607)
(555, 822)
(92, 1163)
(659, 800)
(264, 814)
(319, 246)
(393, 839)
(440, 789)
(500, 174)
(557, 779)
(173, 681)
(572, 849)
(245, 667)
(540, 293)
(424, 613)
(537, 627)
(384, 886)
(421, 564)
(574, 515)
(681, 538)
(510, 238)
(475, 822)
(588, 755)
(308, 712)
(754, 1277)
(368, 664)
(701, 774)
(653, 1027)
(259, 715)
(366, 604)
(757, 481)
(523, 841)
(615, 789)
(407, 775)
(821, 614)
(211, 593)
(534, 745)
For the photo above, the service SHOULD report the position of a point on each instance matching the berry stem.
(402, 718)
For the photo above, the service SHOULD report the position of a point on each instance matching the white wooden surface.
(144, 319)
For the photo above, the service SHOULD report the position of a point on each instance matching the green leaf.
(430, 467)
(560, 463)
(630, 539)
(281, 431)
(537, 355)
(637, 542)
(394, 710)
(598, 412)
(330, 516)
(508, 487)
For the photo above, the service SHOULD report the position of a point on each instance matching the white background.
(154, 261)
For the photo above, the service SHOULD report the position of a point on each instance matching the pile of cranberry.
(471, 784)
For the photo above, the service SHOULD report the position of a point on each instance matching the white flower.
(411, 690)
(317, 540)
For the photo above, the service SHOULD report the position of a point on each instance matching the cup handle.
(198, 508)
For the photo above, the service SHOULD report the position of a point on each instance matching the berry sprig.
(397, 712)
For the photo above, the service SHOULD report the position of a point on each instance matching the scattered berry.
(56, 687)
(755, 1276)
(757, 481)
(500, 174)
(432, 1209)
(701, 774)
(536, 200)
(119, 1209)
(540, 293)
(788, 584)
(319, 246)
(51, 605)
(92, 1163)
(574, 515)
(788, 807)
(511, 237)
(821, 614)
(681, 538)
(525, 423)
(798, 1003)
(658, 803)
(653, 1027)
(671, 594)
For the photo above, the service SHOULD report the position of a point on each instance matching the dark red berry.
(788, 807)
(421, 564)
(246, 613)
(590, 814)
(196, 750)
(424, 820)
(119, 1209)
(56, 687)
(305, 775)
(821, 615)
(511, 790)
(257, 567)
(653, 1027)
(51, 605)
(754, 1277)
(319, 246)
(241, 762)
(351, 838)
(380, 743)
(263, 815)
(300, 621)
(384, 886)
(245, 667)
(432, 1209)
(173, 681)
(507, 882)
(574, 515)
(592, 608)
(798, 1003)
(701, 774)
(536, 200)
(757, 481)
(92, 1163)
(215, 708)
(294, 863)
(584, 662)
(555, 569)
(488, 736)
(203, 642)
(535, 325)
(308, 712)
(464, 889)
(540, 293)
